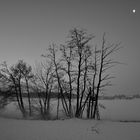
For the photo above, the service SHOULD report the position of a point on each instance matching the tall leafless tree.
(79, 42)
(56, 62)
(104, 64)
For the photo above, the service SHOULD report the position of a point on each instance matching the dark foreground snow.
(71, 129)
(109, 128)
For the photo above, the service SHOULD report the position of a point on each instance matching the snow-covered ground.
(109, 128)
(124, 110)
(71, 129)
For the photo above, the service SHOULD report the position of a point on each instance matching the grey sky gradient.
(28, 27)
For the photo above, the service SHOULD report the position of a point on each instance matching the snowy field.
(71, 129)
(108, 128)
(120, 110)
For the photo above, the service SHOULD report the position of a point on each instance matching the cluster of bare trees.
(14, 77)
(77, 71)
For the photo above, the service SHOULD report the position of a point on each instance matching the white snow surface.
(108, 128)
(70, 129)
(124, 110)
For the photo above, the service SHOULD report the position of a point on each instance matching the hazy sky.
(28, 27)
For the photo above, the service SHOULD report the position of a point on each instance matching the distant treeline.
(55, 95)
(35, 94)
(119, 97)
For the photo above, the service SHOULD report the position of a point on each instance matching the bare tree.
(43, 83)
(68, 58)
(26, 71)
(54, 58)
(102, 66)
(13, 76)
(6, 96)
(79, 42)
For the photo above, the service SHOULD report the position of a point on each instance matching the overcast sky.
(28, 27)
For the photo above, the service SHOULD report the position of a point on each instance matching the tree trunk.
(29, 99)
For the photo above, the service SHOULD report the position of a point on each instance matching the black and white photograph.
(69, 69)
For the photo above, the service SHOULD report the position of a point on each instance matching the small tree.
(59, 75)
(15, 77)
(26, 72)
(43, 83)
